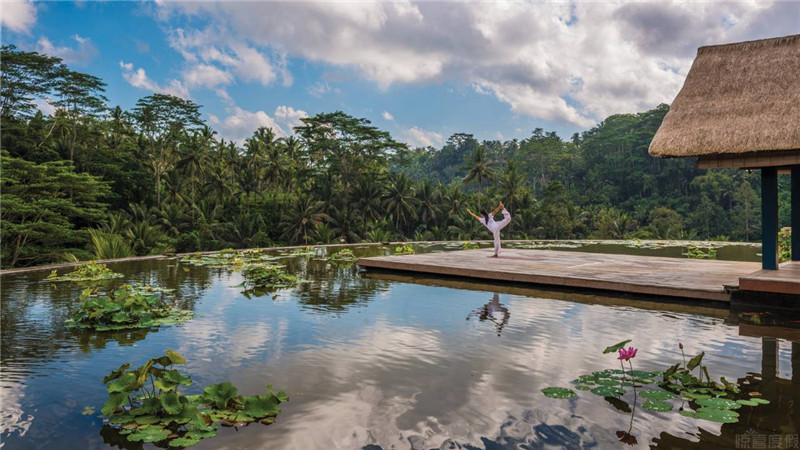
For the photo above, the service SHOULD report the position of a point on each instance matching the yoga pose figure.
(495, 227)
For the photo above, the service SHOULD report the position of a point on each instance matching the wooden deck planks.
(785, 280)
(674, 277)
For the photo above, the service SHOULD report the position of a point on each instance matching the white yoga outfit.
(495, 228)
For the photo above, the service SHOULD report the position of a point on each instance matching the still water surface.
(384, 361)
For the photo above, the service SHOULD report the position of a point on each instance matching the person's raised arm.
(473, 214)
(498, 209)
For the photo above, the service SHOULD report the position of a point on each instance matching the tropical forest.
(94, 181)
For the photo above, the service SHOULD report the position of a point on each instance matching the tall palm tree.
(368, 195)
(302, 217)
(479, 167)
(427, 201)
(400, 202)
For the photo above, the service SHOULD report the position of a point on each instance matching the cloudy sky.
(422, 71)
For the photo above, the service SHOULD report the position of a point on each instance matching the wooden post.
(769, 218)
(769, 358)
(795, 207)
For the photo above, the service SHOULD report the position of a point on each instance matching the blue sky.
(422, 71)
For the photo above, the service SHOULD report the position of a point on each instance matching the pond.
(390, 361)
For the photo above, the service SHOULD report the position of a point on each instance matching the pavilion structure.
(740, 108)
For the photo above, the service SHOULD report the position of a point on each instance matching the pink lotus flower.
(625, 354)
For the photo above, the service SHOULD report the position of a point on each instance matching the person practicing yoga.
(495, 227)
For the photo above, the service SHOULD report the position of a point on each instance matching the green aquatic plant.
(689, 382)
(404, 249)
(228, 259)
(693, 252)
(344, 256)
(90, 271)
(307, 251)
(262, 279)
(123, 309)
(467, 245)
(147, 405)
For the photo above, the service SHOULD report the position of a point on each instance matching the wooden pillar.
(795, 207)
(769, 358)
(769, 218)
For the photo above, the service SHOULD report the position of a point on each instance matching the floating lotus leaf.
(658, 406)
(121, 419)
(607, 382)
(147, 420)
(201, 434)
(88, 411)
(183, 442)
(717, 415)
(583, 388)
(688, 413)
(608, 391)
(657, 394)
(645, 381)
(695, 395)
(559, 392)
(719, 403)
(747, 402)
(149, 435)
(760, 401)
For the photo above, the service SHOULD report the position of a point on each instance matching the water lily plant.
(124, 308)
(147, 404)
(90, 271)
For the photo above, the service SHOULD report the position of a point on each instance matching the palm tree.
(400, 202)
(479, 167)
(368, 193)
(304, 215)
(192, 157)
(427, 198)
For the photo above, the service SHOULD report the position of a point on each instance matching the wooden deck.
(672, 277)
(785, 280)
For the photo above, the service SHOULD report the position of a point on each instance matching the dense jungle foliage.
(94, 181)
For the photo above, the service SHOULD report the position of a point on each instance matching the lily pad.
(718, 403)
(607, 382)
(149, 435)
(760, 401)
(583, 388)
(657, 394)
(559, 392)
(747, 402)
(183, 442)
(688, 413)
(717, 415)
(657, 406)
(608, 391)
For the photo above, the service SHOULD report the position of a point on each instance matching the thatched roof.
(737, 98)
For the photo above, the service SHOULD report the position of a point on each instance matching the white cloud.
(388, 116)
(321, 88)
(290, 117)
(18, 16)
(241, 124)
(83, 53)
(138, 78)
(569, 62)
(416, 137)
(206, 76)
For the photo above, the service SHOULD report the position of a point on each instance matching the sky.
(420, 70)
